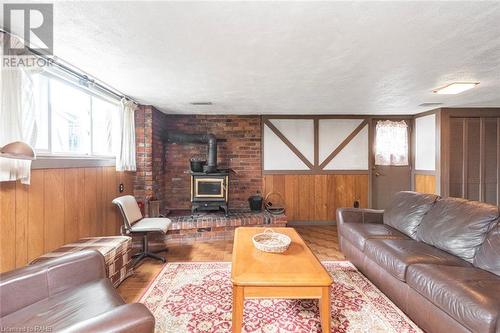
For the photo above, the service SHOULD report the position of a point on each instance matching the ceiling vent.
(431, 104)
(201, 103)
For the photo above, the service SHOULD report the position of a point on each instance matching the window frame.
(49, 154)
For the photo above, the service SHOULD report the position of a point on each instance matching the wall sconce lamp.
(18, 150)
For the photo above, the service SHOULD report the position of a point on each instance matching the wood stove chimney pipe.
(209, 139)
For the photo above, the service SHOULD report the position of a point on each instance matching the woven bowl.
(270, 241)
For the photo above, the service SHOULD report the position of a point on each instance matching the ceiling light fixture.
(455, 88)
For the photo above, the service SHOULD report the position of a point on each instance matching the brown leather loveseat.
(438, 259)
(67, 294)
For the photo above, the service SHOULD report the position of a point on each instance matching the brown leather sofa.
(437, 259)
(67, 294)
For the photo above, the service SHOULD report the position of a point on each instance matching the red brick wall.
(150, 178)
(143, 184)
(159, 165)
(239, 148)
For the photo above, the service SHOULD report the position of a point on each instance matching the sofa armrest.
(133, 318)
(359, 215)
(27, 285)
(73, 270)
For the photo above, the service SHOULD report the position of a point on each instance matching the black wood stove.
(209, 188)
(209, 191)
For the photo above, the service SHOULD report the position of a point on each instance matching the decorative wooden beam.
(316, 142)
(465, 157)
(289, 144)
(498, 162)
(343, 144)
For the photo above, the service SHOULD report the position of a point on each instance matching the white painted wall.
(277, 155)
(300, 132)
(332, 132)
(425, 143)
(354, 156)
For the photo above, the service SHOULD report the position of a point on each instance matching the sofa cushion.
(406, 211)
(67, 308)
(358, 233)
(395, 255)
(457, 226)
(488, 255)
(469, 295)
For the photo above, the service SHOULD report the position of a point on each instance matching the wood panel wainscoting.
(425, 183)
(59, 207)
(317, 197)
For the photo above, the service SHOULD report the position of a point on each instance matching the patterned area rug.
(196, 297)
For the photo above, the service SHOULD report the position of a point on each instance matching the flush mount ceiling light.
(455, 88)
(201, 103)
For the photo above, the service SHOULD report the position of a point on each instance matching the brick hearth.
(215, 226)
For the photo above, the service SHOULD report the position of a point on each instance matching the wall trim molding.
(45, 162)
(425, 172)
(317, 172)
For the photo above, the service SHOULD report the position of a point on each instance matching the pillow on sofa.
(406, 211)
(488, 255)
(457, 226)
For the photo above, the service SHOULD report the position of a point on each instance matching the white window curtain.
(17, 116)
(125, 161)
(391, 143)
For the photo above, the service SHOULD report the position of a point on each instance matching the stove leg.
(226, 210)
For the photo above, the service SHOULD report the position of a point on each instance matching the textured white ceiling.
(286, 57)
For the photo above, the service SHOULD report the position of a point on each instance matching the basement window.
(73, 122)
(391, 143)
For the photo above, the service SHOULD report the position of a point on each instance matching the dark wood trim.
(411, 149)
(371, 161)
(482, 164)
(289, 144)
(438, 152)
(339, 116)
(316, 142)
(262, 138)
(342, 145)
(425, 172)
(498, 162)
(445, 129)
(315, 172)
(472, 112)
(412, 143)
(465, 148)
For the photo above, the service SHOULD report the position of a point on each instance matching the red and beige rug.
(196, 297)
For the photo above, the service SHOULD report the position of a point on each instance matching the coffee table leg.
(238, 300)
(324, 309)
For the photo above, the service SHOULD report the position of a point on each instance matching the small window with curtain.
(391, 143)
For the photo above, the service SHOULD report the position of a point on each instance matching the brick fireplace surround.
(162, 168)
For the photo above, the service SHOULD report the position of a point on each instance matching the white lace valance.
(391, 143)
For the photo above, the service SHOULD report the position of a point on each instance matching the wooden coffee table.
(295, 274)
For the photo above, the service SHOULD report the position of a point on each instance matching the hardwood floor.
(322, 240)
